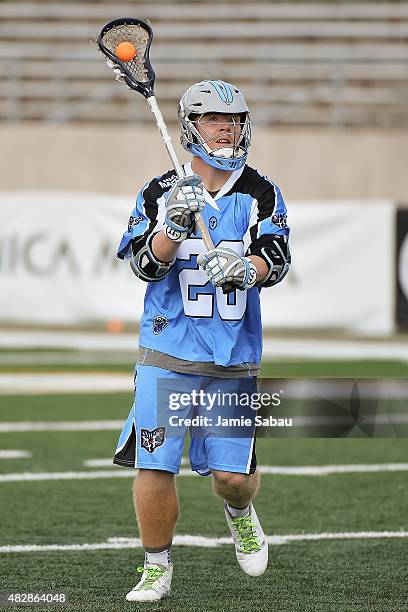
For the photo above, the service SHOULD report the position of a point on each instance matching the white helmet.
(214, 97)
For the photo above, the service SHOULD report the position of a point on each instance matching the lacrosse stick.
(139, 75)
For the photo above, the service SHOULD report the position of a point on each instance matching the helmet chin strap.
(221, 163)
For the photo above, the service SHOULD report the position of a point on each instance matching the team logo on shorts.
(213, 223)
(280, 220)
(159, 323)
(152, 439)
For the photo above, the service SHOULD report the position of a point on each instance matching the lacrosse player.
(191, 328)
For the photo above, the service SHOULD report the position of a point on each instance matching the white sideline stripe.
(14, 454)
(306, 470)
(320, 470)
(61, 382)
(98, 463)
(273, 348)
(116, 425)
(31, 476)
(201, 541)
(61, 426)
(102, 382)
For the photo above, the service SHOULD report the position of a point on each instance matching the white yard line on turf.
(20, 384)
(322, 470)
(391, 419)
(37, 476)
(301, 470)
(67, 358)
(274, 348)
(102, 382)
(60, 426)
(14, 454)
(201, 541)
(34, 339)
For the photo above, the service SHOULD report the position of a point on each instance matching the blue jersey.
(184, 315)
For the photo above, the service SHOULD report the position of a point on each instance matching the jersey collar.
(224, 189)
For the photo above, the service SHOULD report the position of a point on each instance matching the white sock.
(158, 558)
(237, 511)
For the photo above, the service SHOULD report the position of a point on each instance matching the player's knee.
(156, 479)
(230, 479)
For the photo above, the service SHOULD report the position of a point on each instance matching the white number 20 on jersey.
(230, 307)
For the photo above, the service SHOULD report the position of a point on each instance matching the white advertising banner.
(58, 263)
(58, 259)
(342, 276)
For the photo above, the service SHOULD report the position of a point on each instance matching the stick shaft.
(179, 169)
(165, 135)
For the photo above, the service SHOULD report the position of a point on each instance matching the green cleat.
(251, 547)
(154, 585)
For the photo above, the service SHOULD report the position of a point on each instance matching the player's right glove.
(224, 266)
(184, 199)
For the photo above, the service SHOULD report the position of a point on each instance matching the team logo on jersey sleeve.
(159, 323)
(152, 439)
(133, 221)
(213, 223)
(280, 220)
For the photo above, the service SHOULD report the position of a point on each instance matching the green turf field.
(339, 575)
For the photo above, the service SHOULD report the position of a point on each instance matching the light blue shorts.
(152, 437)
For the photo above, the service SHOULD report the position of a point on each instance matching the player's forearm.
(261, 267)
(163, 248)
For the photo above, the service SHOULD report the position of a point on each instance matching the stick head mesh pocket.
(138, 72)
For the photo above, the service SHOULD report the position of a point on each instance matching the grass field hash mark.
(106, 425)
(14, 454)
(201, 541)
(321, 470)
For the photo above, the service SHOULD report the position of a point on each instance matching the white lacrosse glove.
(184, 199)
(223, 265)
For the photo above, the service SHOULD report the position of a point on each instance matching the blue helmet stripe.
(223, 90)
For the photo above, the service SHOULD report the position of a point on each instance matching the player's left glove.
(223, 265)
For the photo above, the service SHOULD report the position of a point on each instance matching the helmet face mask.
(234, 131)
(200, 112)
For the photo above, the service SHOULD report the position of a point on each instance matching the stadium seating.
(299, 63)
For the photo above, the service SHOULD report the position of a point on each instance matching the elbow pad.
(274, 250)
(145, 264)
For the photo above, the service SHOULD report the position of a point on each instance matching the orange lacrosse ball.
(125, 51)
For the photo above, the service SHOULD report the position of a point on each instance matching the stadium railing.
(298, 63)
